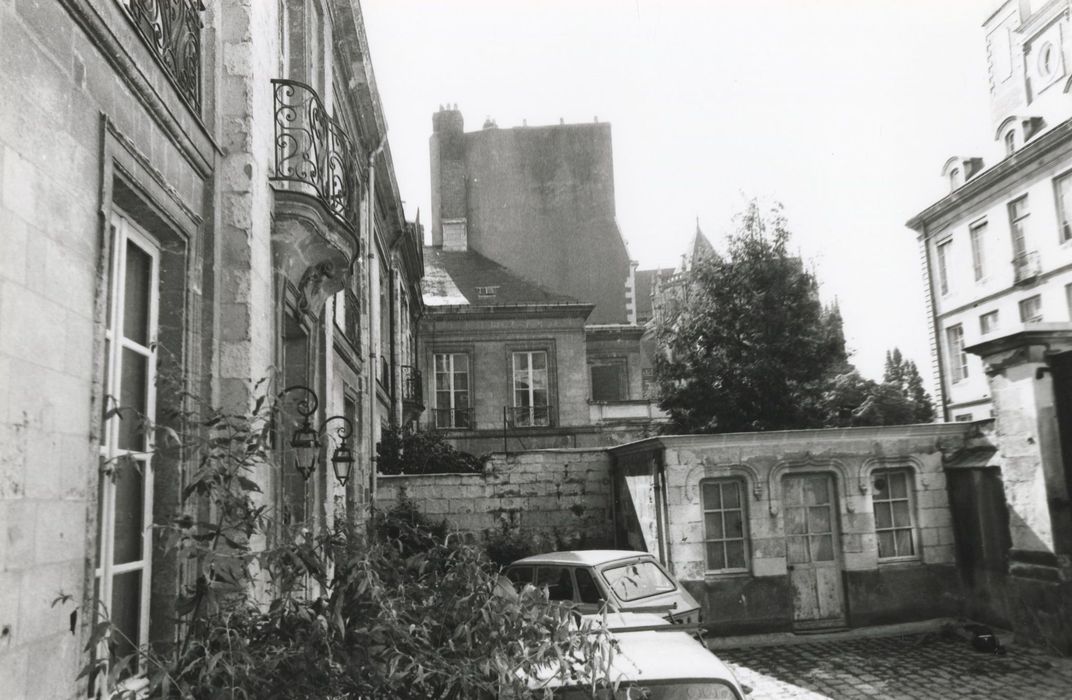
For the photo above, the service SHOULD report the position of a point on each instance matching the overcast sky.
(843, 110)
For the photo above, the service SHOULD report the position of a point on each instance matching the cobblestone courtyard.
(908, 666)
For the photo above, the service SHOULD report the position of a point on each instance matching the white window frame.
(123, 230)
(532, 389)
(1018, 226)
(452, 407)
(958, 358)
(1033, 300)
(910, 500)
(742, 502)
(1064, 209)
(943, 251)
(977, 234)
(986, 328)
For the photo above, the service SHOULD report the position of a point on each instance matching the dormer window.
(954, 178)
(1010, 142)
(487, 292)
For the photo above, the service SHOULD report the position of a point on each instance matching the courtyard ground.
(921, 665)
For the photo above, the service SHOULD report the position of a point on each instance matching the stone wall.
(560, 496)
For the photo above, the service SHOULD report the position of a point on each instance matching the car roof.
(586, 557)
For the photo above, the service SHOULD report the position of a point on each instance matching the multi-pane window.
(1031, 309)
(1018, 225)
(978, 249)
(530, 389)
(988, 322)
(453, 409)
(725, 536)
(943, 250)
(958, 359)
(125, 486)
(891, 494)
(1063, 191)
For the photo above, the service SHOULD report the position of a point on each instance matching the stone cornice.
(1045, 335)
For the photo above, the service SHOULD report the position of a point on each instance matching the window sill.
(900, 563)
(713, 576)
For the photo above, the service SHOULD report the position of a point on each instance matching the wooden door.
(813, 550)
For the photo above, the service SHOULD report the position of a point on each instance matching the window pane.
(734, 524)
(881, 487)
(815, 491)
(539, 397)
(885, 545)
(129, 491)
(898, 485)
(735, 555)
(794, 521)
(638, 580)
(586, 587)
(461, 362)
(108, 401)
(520, 575)
(905, 546)
(797, 550)
(539, 360)
(132, 398)
(712, 499)
(883, 519)
(461, 382)
(900, 514)
(819, 519)
(126, 612)
(136, 297)
(100, 515)
(461, 400)
(731, 494)
(521, 362)
(793, 492)
(822, 548)
(716, 558)
(713, 526)
(558, 581)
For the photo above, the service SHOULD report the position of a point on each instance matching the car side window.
(558, 581)
(586, 587)
(519, 575)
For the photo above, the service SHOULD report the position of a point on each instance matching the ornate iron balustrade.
(528, 416)
(411, 384)
(313, 150)
(453, 418)
(172, 30)
(1026, 267)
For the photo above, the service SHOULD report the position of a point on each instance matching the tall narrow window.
(530, 389)
(725, 525)
(988, 322)
(1063, 190)
(958, 359)
(1031, 309)
(125, 487)
(943, 249)
(891, 495)
(1018, 225)
(1010, 142)
(453, 408)
(978, 247)
(954, 178)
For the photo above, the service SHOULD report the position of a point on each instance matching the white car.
(652, 660)
(626, 581)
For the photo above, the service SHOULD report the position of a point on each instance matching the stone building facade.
(193, 196)
(997, 261)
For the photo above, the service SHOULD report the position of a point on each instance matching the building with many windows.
(194, 196)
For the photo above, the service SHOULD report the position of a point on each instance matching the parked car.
(652, 660)
(626, 581)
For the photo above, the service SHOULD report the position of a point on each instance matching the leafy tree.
(852, 400)
(903, 375)
(751, 346)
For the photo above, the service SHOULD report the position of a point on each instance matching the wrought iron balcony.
(172, 30)
(453, 418)
(313, 151)
(528, 416)
(411, 384)
(1026, 267)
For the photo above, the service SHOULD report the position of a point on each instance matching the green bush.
(403, 451)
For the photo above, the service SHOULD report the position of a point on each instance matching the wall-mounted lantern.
(305, 441)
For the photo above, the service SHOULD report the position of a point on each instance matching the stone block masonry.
(557, 496)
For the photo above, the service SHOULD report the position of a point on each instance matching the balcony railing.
(172, 30)
(312, 150)
(1026, 267)
(453, 418)
(528, 416)
(411, 384)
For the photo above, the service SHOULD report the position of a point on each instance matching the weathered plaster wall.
(560, 495)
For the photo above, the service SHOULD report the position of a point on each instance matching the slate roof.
(467, 278)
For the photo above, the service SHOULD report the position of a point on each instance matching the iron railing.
(172, 30)
(528, 416)
(453, 418)
(1026, 267)
(313, 151)
(411, 384)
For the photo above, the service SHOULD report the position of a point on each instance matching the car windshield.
(637, 579)
(655, 690)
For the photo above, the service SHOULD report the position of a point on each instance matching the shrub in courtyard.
(395, 608)
(404, 451)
